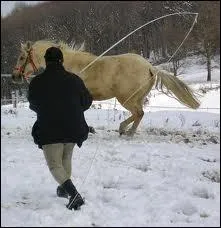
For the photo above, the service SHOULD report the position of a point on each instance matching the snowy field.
(167, 175)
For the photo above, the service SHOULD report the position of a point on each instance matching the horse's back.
(117, 75)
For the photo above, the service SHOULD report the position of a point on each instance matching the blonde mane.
(66, 48)
(62, 45)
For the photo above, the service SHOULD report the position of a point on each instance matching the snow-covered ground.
(168, 174)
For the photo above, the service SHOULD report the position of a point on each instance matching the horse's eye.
(22, 58)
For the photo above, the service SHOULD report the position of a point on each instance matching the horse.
(127, 77)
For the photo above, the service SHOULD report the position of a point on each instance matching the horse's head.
(25, 65)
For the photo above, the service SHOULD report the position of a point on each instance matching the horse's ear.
(29, 45)
(22, 46)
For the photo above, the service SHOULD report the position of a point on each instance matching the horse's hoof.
(121, 132)
(92, 130)
(130, 133)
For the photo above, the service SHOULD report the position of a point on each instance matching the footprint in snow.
(185, 207)
(202, 192)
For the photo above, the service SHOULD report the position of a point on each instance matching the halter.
(29, 59)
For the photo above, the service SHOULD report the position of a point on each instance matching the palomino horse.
(128, 77)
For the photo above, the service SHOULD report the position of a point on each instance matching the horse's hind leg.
(137, 115)
(124, 124)
(135, 107)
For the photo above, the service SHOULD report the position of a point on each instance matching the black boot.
(76, 200)
(61, 192)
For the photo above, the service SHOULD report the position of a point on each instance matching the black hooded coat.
(59, 98)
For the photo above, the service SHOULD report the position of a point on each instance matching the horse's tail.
(174, 86)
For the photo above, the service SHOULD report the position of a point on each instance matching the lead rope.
(85, 176)
(132, 33)
(195, 20)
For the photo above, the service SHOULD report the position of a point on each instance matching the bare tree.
(208, 30)
(102, 23)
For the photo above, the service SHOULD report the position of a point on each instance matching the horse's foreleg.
(137, 118)
(124, 124)
(91, 130)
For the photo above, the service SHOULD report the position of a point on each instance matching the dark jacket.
(59, 98)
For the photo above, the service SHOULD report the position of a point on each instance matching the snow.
(168, 174)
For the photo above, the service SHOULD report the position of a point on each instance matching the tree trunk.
(174, 69)
(163, 45)
(208, 67)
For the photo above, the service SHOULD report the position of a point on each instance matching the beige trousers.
(58, 157)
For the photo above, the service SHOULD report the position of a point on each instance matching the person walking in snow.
(59, 99)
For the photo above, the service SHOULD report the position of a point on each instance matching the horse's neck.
(39, 49)
(76, 61)
(39, 56)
